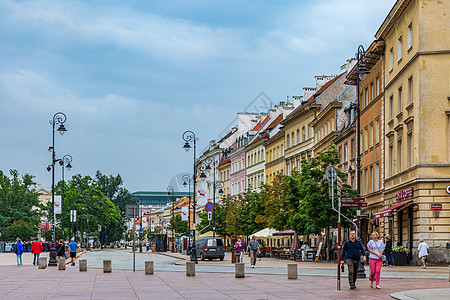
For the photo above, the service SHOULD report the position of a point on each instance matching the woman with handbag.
(239, 250)
(376, 249)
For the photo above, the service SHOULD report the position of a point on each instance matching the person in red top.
(36, 249)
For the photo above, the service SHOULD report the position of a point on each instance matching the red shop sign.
(416, 207)
(404, 194)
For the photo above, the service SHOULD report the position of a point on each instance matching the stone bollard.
(239, 270)
(448, 273)
(82, 263)
(149, 267)
(292, 271)
(42, 262)
(107, 266)
(190, 268)
(61, 264)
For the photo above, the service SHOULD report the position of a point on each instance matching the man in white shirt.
(422, 252)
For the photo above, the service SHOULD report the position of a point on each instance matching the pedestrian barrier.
(239, 270)
(149, 267)
(82, 263)
(292, 271)
(42, 262)
(190, 268)
(61, 264)
(107, 268)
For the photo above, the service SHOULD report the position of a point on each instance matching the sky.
(132, 76)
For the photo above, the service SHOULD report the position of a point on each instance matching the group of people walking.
(379, 252)
(253, 248)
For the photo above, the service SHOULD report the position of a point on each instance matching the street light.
(64, 162)
(188, 137)
(212, 161)
(58, 118)
(187, 182)
(361, 69)
(171, 191)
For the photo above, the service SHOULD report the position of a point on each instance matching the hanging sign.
(57, 205)
(144, 222)
(73, 215)
(184, 213)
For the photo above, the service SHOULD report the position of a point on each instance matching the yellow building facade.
(274, 156)
(417, 126)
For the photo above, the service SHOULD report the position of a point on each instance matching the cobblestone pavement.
(215, 282)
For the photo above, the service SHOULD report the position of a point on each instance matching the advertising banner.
(184, 213)
(202, 193)
(144, 222)
(57, 205)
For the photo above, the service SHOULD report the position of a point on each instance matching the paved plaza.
(213, 280)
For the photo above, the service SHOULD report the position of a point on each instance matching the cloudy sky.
(132, 76)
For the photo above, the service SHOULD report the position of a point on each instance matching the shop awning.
(265, 233)
(387, 211)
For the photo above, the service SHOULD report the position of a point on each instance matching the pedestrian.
(253, 246)
(376, 249)
(73, 250)
(18, 249)
(239, 250)
(388, 250)
(60, 249)
(36, 249)
(352, 252)
(422, 253)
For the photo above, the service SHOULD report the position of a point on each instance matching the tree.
(313, 212)
(112, 187)
(179, 226)
(221, 210)
(19, 206)
(251, 213)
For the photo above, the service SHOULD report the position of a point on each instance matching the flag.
(57, 205)
(184, 213)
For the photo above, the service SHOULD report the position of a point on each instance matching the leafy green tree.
(311, 189)
(220, 220)
(251, 213)
(179, 225)
(112, 187)
(19, 206)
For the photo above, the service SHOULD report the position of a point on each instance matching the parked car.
(210, 248)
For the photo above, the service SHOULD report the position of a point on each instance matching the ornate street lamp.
(64, 162)
(171, 191)
(58, 118)
(187, 182)
(361, 69)
(211, 161)
(189, 137)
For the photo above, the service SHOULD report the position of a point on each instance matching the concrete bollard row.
(61, 264)
(149, 267)
(190, 268)
(239, 270)
(292, 271)
(42, 262)
(107, 268)
(82, 264)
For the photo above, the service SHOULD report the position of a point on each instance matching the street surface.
(213, 280)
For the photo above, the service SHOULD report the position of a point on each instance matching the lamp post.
(171, 191)
(189, 137)
(64, 163)
(211, 161)
(361, 69)
(187, 182)
(58, 118)
(140, 223)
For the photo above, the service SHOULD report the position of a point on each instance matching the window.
(399, 48)
(377, 85)
(410, 38)
(366, 139)
(391, 107)
(345, 152)
(361, 139)
(243, 164)
(366, 96)
(376, 179)
(287, 141)
(270, 156)
(409, 149)
(303, 134)
(259, 156)
(391, 159)
(298, 136)
(309, 131)
(352, 148)
(399, 152)
(282, 150)
(267, 156)
(366, 181)
(371, 135)
(372, 96)
(278, 151)
(292, 139)
(371, 179)
(340, 154)
(410, 90)
(376, 132)
(391, 59)
(400, 100)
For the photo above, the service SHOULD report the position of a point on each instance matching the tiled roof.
(261, 124)
(275, 122)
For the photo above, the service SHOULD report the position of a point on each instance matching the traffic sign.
(331, 174)
(209, 206)
(209, 216)
(354, 204)
(141, 229)
(353, 200)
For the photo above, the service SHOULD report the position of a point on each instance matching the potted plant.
(400, 255)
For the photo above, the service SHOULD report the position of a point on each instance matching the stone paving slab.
(22, 282)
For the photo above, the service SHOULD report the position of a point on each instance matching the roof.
(312, 99)
(261, 124)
